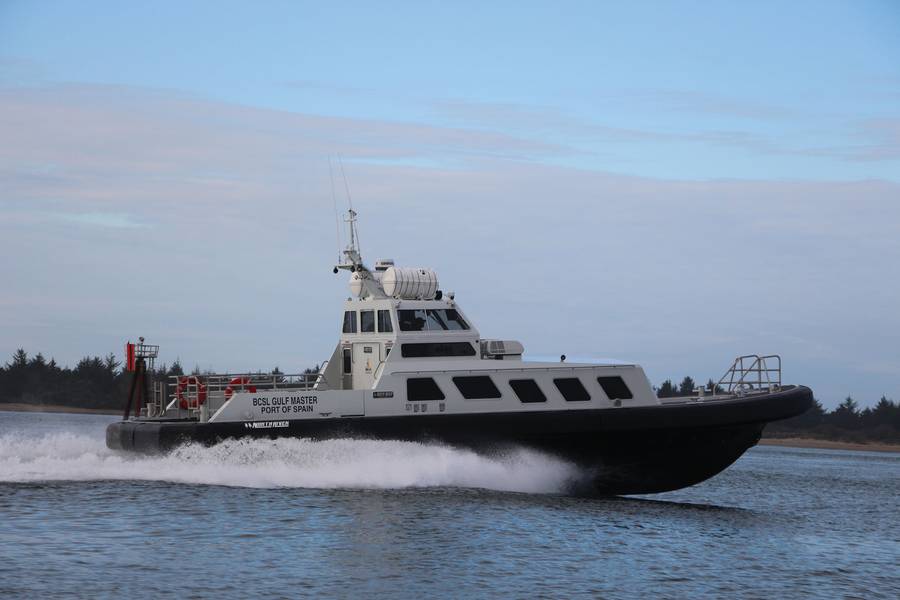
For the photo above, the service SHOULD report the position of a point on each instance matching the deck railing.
(208, 392)
(752, 373)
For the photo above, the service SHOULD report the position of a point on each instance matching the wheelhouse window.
(367, 321)
(350, 321)
(477, 387)
(437, 349)
(437, 319)
(422, 388)
(527, 390)
(411, 320)
(614, 388)
(572, 389)
(384, 322)
(454, 320)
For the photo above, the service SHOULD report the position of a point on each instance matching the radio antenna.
(337, 219)
(354, 234)
(346, 185)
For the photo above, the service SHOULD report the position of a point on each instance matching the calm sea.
(389, 519)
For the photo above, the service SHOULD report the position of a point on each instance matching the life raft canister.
(185, 394)
(243, 383)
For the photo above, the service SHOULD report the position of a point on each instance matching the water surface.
(345, 518)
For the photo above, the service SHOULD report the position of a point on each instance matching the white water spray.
(284, 463)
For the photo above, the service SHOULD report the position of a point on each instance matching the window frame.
(576, 380)
(514, 383)
(401, 322)
(350, 322)
(617, 385)
(436, 388)
(471, 382)
(421, 349)
(435, 319)
(362, 321)
(383, 317)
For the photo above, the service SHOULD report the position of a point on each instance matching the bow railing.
(752, 373)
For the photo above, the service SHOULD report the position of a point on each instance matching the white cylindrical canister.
(410, 283)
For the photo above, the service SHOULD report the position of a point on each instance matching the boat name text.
(284, 404)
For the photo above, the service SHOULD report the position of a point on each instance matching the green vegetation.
(846, 423)
(98, 383)
(94, 382)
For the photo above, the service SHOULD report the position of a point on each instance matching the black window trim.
(615, 387)
(430, 349)
(352, 326)
(526, 381)
(436, 388)
(379, 320)
(556, 382)
(374, 318)
(471, 393)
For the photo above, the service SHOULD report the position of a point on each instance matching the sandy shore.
(55, 408)
(829, 444)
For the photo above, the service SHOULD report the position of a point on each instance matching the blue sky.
(671, 139)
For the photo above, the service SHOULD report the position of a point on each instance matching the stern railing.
(203, 394)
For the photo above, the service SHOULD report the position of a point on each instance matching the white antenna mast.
(352, 260)
(351, 219)
(337, 221)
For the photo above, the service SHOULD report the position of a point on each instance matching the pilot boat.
(411, 365)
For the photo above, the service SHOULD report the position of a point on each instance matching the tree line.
(94, 382)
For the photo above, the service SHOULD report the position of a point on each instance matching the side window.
(367, 321)
(435, 349)
(411, 320)
(527, 390)
(384, 321)
(422, 388)
(572, 389)
(350, 321)
(436, 321)
(615, 388)
(454, 321)
(476, 387)
(348, 365)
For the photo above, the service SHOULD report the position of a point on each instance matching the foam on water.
(284, 462)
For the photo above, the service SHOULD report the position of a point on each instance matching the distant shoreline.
(55, 408)
(829, 444)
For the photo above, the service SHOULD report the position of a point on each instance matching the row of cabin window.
(479, 387)
(368, 321)
(438, 319)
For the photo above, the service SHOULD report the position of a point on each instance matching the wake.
(284, 463)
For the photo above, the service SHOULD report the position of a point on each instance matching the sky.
(672, 183)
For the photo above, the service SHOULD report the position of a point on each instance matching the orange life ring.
(243, 382)
(185, 398)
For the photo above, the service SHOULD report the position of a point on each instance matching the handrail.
(752, 373)
(215, 385)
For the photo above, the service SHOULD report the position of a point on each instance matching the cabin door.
(366, 358)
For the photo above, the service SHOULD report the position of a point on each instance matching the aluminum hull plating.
(636, 450)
